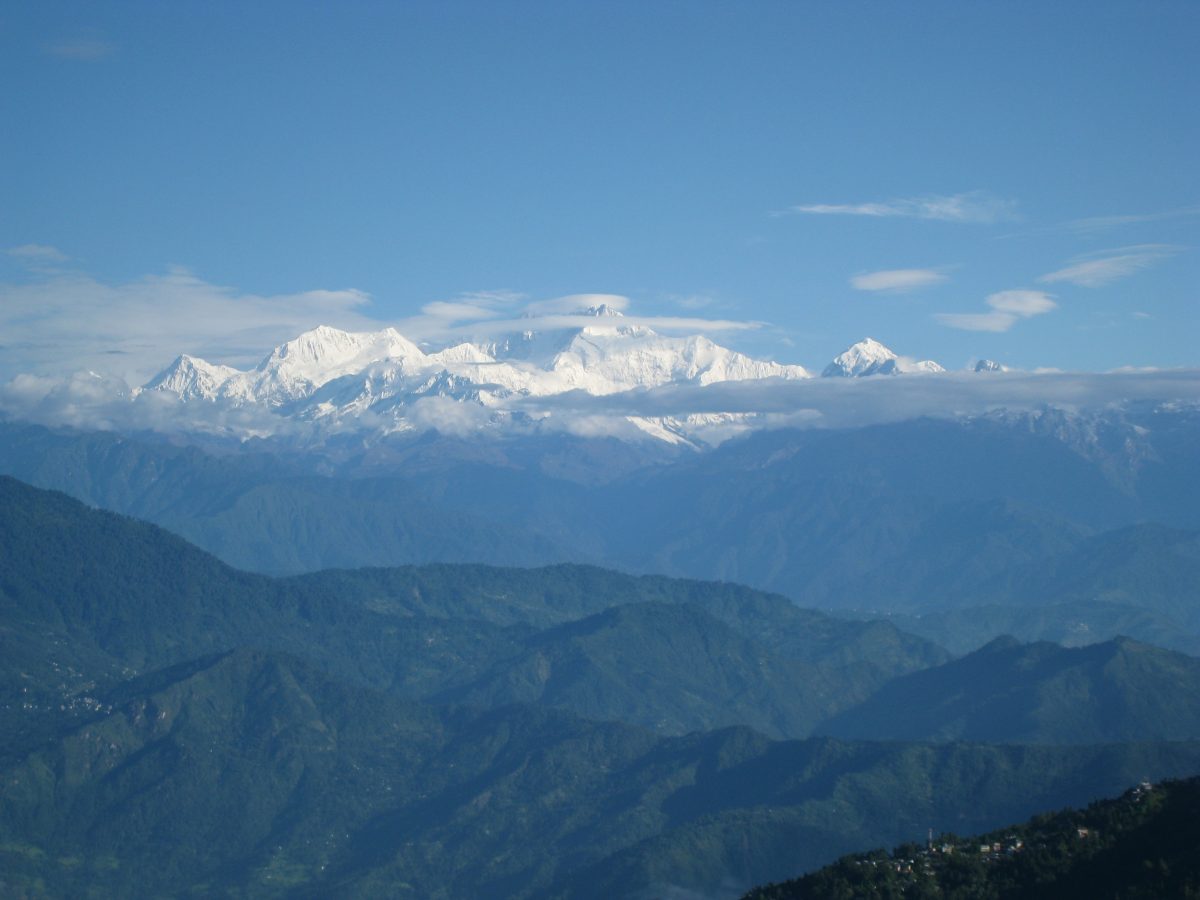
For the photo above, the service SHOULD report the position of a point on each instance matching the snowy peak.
(990, 365)
(920, 367)
(604, 361)
(603, 310)
(324, 349)
(191, 378)
(461, 353)
(295, 369)
(869, 357)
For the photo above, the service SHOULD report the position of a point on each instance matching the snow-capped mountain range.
(342, 380)
(338, 369)
(382, 382)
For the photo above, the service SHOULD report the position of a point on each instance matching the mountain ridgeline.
(1067, 527)
(173, 725)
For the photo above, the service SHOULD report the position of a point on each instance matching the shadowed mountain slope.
(254, 774)
(1120, 690)
(123, 595)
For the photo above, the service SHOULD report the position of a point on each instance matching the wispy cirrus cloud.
(1093, 224)
(897, 281)
(1101, 268)
(1007, 308)
(81, 49)
(37, 253)
(39, 259)
(972, 206)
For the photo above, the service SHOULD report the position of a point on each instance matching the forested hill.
(171, 726)
(1144, 845)
(113, 594)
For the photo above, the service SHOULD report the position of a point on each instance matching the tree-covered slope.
(912, 516)
(267, 514)
(1144, 845)
(135, 597)
(1120, 690)
(1147, 566)
(172, 726)
(254, 774)
(1072, 624)
(670, 667)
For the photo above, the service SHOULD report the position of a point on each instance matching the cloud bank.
(854, 402)
(69, 321)
(88, 401)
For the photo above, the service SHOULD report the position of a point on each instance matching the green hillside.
(175, 727)
(254, 774)
(1038, 693)
(1144, 845)
(130, 596)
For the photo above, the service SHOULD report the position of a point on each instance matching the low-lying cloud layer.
(88, 401)
(848, 402)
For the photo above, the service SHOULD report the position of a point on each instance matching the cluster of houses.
(923, 860)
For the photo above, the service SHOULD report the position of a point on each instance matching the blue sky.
(959, 180)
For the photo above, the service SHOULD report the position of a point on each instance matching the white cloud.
(448, 416)
(973, 206)
(420, 330)
(66, 321)
(574, 303)
(90, 401)
(993, 321)
(897, 281)
(82, 49)
(453, 311)
(37, 253)
(1007, 308)
(1093, 224)
(1099, 269)
(851, 402)
(1022, 303)
(504, 314)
